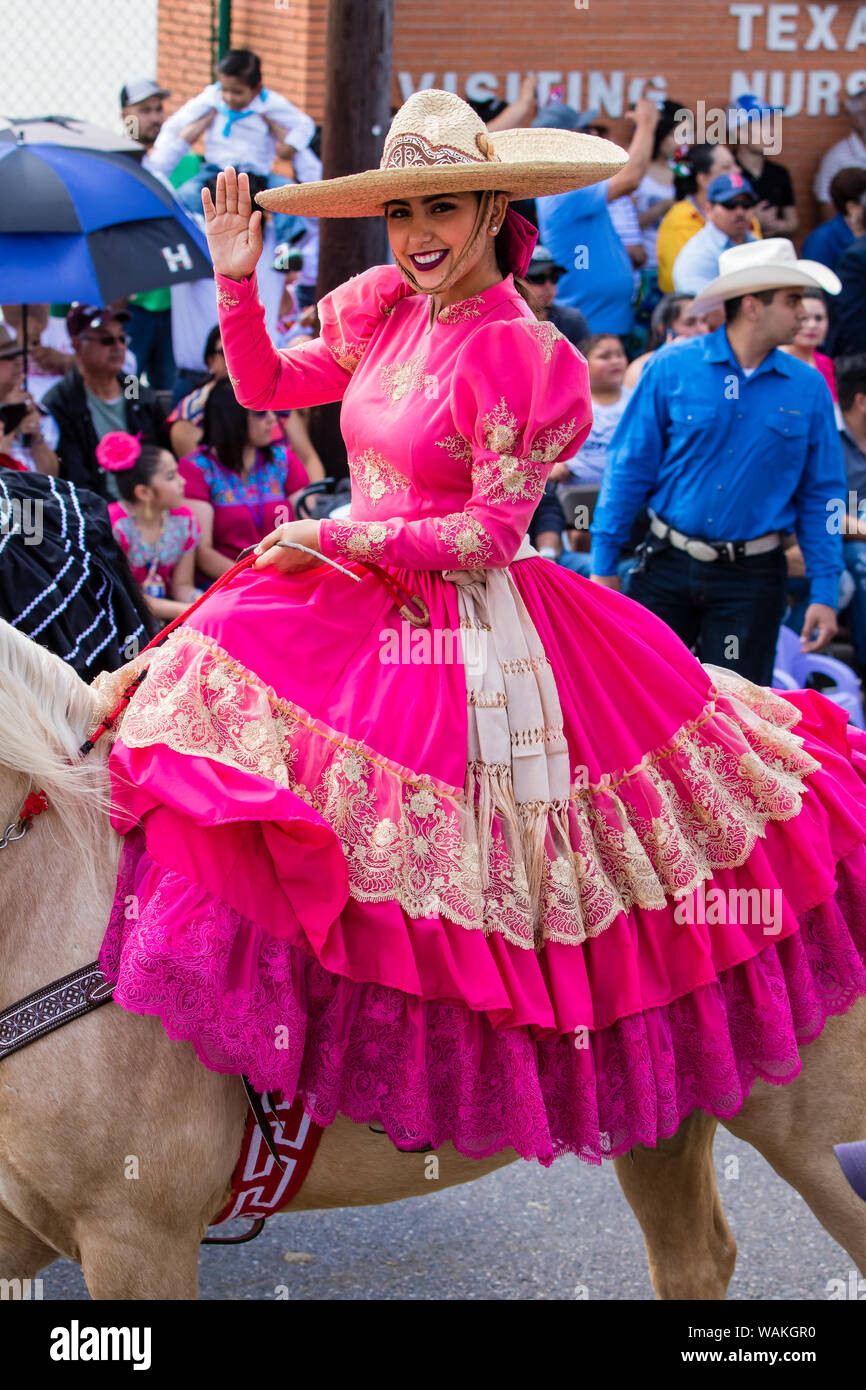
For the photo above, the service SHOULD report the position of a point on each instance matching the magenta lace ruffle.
(429, 1072)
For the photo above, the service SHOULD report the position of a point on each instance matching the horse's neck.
(52, 914)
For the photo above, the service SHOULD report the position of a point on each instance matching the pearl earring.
(494, 229)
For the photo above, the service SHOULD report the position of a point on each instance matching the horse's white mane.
(46, 712)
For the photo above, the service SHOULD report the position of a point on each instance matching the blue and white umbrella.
(89, 225)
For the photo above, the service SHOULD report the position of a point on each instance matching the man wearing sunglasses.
(732, 202)
(95, 397)
(544, 275)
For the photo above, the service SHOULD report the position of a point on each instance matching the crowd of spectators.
(712, 481)
(124, 410)
(131, 402)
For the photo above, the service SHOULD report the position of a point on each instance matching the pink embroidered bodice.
(451, 431)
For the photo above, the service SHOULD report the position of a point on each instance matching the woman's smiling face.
(428, 234)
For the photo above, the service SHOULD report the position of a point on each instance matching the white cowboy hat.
(437, 144)
(770, 264)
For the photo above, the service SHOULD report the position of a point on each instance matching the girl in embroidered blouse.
(153, 528)
(460, 890)
(239, 483)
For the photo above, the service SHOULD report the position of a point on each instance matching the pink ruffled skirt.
(300, 893)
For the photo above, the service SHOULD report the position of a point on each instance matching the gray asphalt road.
(522, 1233)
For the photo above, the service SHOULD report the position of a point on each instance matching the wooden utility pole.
(357, 116)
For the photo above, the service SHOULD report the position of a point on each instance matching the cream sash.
(517, 754)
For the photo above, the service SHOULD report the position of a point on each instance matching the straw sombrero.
(437, 144)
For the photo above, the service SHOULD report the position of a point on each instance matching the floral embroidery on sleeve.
(466, 537)
(458, 447)
(505, 478)
(553, 442)
(346, 355)
(226, 300)
(361, 541)
(375, 476)
(500, 429)
(508, 477)
(545, 334)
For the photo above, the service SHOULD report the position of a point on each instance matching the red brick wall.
(184, 53)
(694, 47)
(288, 35)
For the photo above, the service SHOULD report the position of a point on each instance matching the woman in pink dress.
(526, 875)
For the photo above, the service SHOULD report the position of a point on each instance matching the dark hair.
(810, 293)
(225, 427)
(141, 472)
(666, 123)
(243, 64)
(211, 341)
(699, 160)
(523, 289)
(487, 107)
(258, 183)
(587, 345)
(848, 186)
(209, 344)
(850, 378)
(664, 316)
(733, 306)
(502, 265)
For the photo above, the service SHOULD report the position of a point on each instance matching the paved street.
(521, 1233)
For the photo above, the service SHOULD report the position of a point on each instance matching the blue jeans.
(150, 339)
(728, 612)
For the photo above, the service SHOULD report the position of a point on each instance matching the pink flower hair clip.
(118, 450)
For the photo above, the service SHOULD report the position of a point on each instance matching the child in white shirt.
(607, 362)
(243, 123)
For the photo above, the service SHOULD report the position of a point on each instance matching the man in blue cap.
(757, 129)
(578, 232)
(732, 202)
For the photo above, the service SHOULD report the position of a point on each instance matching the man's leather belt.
(699, 549)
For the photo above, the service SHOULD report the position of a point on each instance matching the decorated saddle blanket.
(258, 1186)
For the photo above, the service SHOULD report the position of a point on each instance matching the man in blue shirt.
(730, 443)
(578, 232)
(732, 202)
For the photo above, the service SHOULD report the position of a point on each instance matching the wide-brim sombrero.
(437, 144)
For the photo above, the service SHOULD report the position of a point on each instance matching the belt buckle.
(700, 550)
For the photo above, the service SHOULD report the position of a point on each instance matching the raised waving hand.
(234, 230)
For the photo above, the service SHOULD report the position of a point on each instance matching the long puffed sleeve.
(519, 402)
(313, 372)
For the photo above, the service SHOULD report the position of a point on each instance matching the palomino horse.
(80, 1103)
